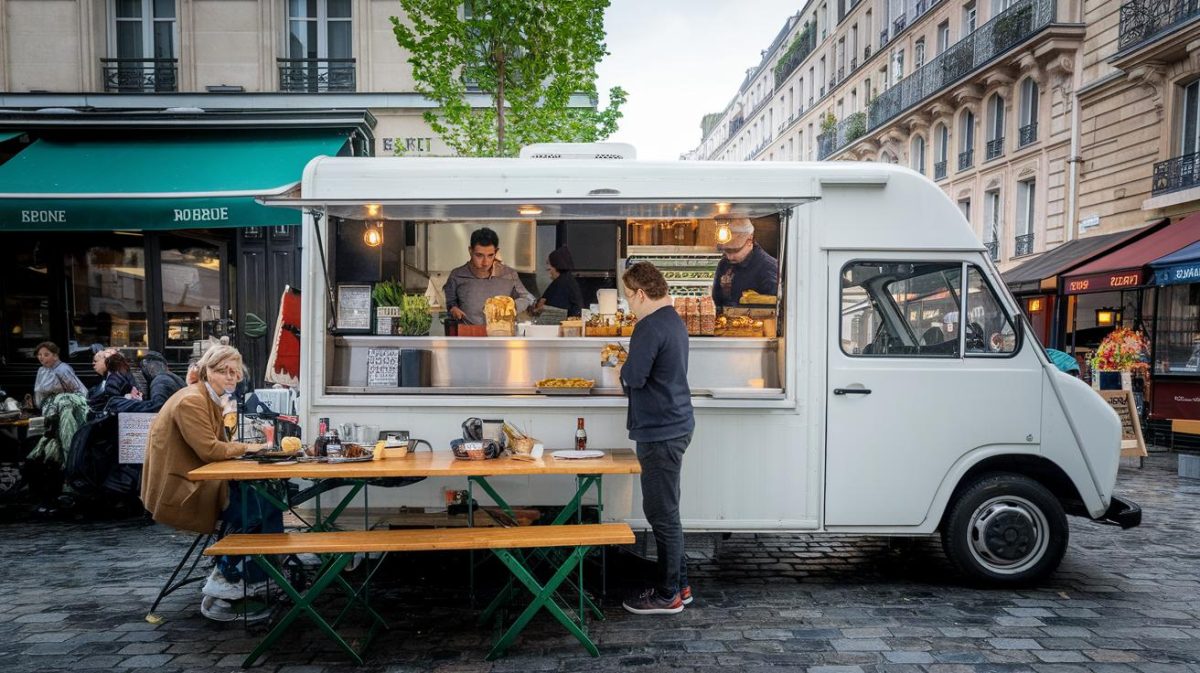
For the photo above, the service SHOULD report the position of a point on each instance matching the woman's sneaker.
(650, 603)
(685, 595)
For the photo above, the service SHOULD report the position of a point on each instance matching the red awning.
(1123, 268)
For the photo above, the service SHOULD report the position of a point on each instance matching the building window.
(965, 206)
(897, 65)
(320, 47)
(142, 45)
(918, 155)
(107, 302)
(943, 36)
(966, 141)
(992, 211)
(941, 149)
(1189, 137)
(1025, 208)
(995, 132)
(867, 33)
(968, 18)
(919, 54)
(1029, 112)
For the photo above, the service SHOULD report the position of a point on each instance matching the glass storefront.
(1177, 334)
(106, 297)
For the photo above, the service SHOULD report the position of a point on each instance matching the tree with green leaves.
(530, 56)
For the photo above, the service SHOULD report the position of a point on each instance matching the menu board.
(132, 432)
(353, 308)
(1132, 444)
(383, 367)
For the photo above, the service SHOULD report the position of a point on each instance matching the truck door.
(924, 366)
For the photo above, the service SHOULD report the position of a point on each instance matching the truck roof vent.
(584, 151)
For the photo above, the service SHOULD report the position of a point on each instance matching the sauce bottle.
(580, 436)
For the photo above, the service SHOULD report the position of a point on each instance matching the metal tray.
(565, 391)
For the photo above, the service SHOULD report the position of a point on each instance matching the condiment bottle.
(333, 446)
(580, 436)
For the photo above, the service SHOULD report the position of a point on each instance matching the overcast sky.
(679, 60)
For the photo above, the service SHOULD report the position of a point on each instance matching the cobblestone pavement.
(73, 597)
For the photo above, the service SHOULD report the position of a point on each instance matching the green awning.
(200, 181)
(8, 135)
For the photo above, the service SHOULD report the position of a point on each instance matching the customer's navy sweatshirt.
(655, 379)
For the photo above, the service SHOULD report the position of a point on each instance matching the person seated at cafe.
(563, 291)
(188, 433)
(484, 276)
(744, 266)
(162, 382)
(54, 376)
(117, 379)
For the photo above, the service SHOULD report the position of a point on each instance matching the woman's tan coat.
(186, 434)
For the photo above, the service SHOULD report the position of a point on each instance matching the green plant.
(414, 317)
(828, 123)
(856, 126)
(388, 293)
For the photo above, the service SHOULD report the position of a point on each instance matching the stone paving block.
(1014, 643)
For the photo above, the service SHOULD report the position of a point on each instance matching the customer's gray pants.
(661, 464)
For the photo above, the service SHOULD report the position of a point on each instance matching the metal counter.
(718, 367)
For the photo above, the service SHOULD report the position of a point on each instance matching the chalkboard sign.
(353, 308)
(1132, 444)
(383, 367)
(132, 432)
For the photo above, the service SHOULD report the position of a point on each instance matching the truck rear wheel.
(1005, 529)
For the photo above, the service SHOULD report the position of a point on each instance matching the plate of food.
(565, 386)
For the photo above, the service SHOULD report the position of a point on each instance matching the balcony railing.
(854, 64)
(140, 75)
(993, 250)
(1175, 174)
(920, 7)
(1141, 20)
(970, 54)
(866, 53)
(316, 75)
(841, 73)
(939, 170)
(1027, 134)
(995, 148)
(735, 124)
(966, 159)
(795, 55)
(1024, 245)
(848, 130)
(898, 25)
(883, 37)
(759, 108)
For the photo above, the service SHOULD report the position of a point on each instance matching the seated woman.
(118, 380)
(563, 291)
(187, 433)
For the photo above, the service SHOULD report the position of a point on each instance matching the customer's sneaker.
(685, 595)
(220, 610)
(219, 587)
(649, 603)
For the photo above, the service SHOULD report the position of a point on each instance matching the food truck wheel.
(1005, 529)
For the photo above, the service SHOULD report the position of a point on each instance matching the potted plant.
(415, 318)
(1122, 352)
(828, 123)
(388, 296)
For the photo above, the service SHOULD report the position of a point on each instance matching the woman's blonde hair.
(217, 357)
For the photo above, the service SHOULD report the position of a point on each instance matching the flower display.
(1123, 350)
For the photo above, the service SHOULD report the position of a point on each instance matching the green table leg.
(543, 599)
(303, 605)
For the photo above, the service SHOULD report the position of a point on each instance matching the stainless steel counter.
(718, 367)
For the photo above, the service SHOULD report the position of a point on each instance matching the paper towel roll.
(608, 301)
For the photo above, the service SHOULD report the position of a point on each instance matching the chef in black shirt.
(744, 266)
(563, 291)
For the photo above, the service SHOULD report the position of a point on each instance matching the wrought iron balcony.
(140, 75)
(841, 73)
(799, 50)
(972, 53)
(939, 170)
(966, 159)
(1027, 134)
(810, 100)
(1142, 20)
(832, 83)
(993, 250)
(866, 53)
(854, 64)
(735, 124)
(1024, 245)
(995, 148)
(899, 24)
(920, 7)
(821, 93)
(1176, 174)
(853, 127)
(883, 37)
(758, 108)
(316, 75)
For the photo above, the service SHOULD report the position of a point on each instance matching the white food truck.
(897, 391)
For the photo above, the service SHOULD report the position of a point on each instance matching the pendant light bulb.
(373, 236)
(724, 235)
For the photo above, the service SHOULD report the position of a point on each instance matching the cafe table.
(267, 478)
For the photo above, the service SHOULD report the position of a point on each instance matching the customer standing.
(660, 420)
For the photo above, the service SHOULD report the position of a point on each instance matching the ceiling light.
(529, 211)
(373, 236)
(373, 210)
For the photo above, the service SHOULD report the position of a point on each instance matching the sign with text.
(1117, 280)
(1123, 403)
(407, 146)
(383, 367)
(132, 432)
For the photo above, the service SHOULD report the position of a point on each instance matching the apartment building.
(1067, 132)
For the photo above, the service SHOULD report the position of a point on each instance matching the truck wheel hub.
(1007, 534)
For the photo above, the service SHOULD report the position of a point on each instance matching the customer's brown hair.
(48, 345)
(116, 362)
(646, 277)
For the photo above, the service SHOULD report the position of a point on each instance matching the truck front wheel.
(1005, 529)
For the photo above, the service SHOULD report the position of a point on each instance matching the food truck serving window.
(916, 309)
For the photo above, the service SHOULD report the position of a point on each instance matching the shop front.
(1037, 284)
(149, 238)
(1176, 355)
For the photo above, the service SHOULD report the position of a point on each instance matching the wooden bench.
(340, 547)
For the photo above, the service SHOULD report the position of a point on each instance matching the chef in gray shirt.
(472, 284)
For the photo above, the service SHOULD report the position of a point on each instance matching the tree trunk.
(500, 107)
